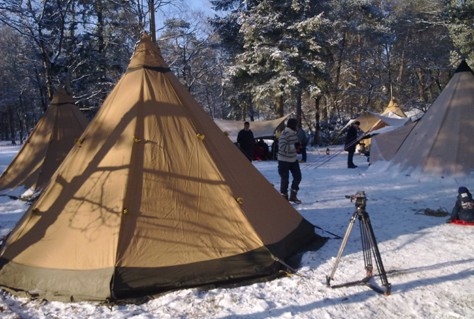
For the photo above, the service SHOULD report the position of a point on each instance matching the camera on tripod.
(359, 198)
(369, 247)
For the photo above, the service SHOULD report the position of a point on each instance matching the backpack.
(466, 201)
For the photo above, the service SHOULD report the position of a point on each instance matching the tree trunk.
(11, 122)
(317, 126)
(279, 106)
(299, 111)
(151, 7)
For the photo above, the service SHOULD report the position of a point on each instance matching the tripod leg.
(378, 258)
(341, 249)
(366, 246)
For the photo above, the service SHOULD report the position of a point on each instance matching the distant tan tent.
(48, 144)
(393, 108)
(366, 119)
(370, 122)
(260, 129)
(153, 198)
(441, 143)
(393, 115)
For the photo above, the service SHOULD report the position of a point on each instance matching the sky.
(195, 5)
(196, 12)
(428, 262)
(204, 5)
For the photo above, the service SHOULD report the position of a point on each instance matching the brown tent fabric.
(48, 144)
(441, 143)
(154, 197)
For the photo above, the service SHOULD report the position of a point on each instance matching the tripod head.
(359, 198)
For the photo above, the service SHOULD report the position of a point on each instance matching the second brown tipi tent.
(441, 142)
(48, 144)
(154, 197)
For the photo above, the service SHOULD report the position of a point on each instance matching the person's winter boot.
(293, 197)
(285, 196)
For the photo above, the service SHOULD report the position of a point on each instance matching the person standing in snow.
(351, 143)
(304, 141)
(463, 209)
(288, 147)
(246, 141)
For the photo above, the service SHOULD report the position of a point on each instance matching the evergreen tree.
(460, 19)
(279, 60)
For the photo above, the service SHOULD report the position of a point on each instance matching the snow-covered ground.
(430, 264)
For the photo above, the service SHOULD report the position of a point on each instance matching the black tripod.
(369, 246)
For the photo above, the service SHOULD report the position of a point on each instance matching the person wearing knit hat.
(463, 209)
(463, 189)
(288, 148)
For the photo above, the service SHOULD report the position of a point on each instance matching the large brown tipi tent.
(441, 142)
(48, 144)
(154, 197)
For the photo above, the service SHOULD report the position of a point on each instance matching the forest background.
(324, 61)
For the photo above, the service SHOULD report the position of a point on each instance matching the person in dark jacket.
(288, 148)
(463, 209)
(246, 141)
(351, 143)
(304, 142)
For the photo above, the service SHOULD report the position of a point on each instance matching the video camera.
(359, 198)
